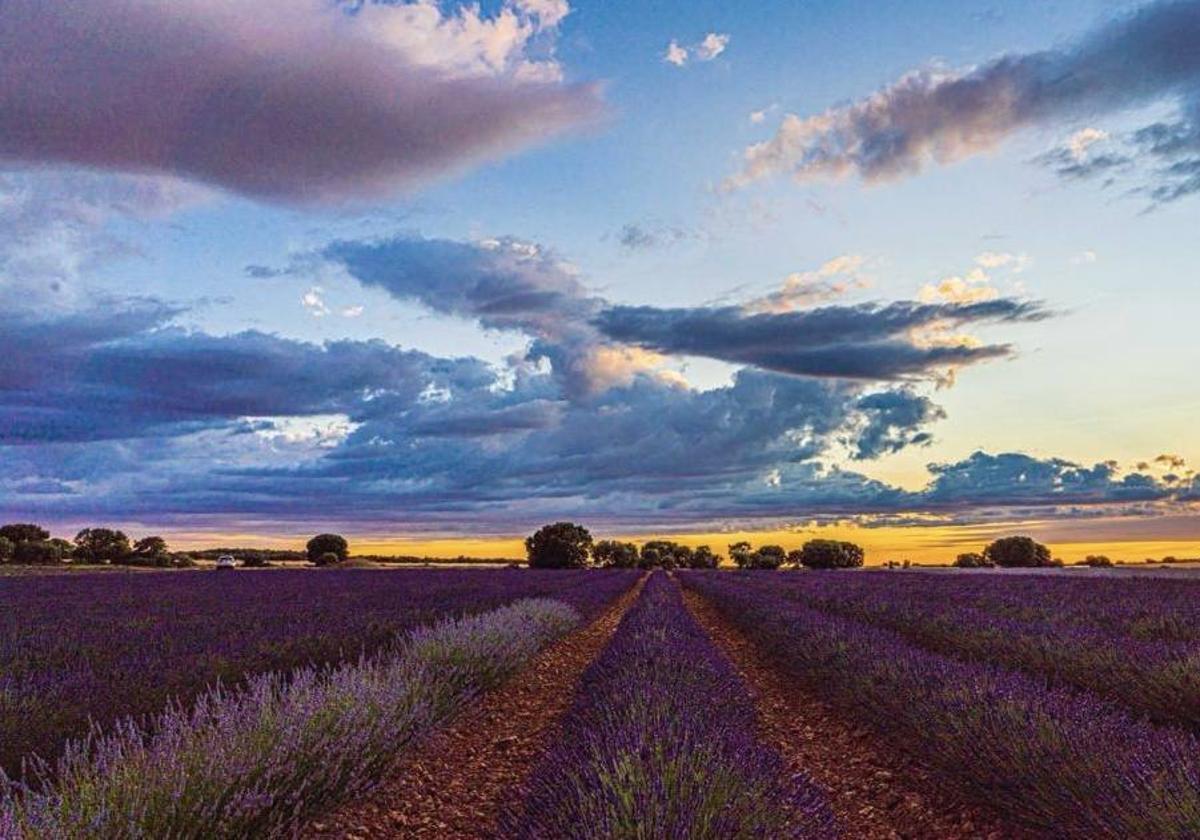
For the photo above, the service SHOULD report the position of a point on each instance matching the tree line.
(30, 544)
(567, 545)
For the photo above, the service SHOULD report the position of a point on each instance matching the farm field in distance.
(989, 704)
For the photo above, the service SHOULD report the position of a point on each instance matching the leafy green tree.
(614, 554)
(19, 532)
(767, 557)
(1018, 552)
(704, 558)
(323, 544)
(562, 545)
(99, 545)
(39, 552)
(740, 553)
(150, 547)
(830, 554)
(971, 560)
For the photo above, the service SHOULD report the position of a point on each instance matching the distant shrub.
(323, 544)
(328, 559)
(7, 547)
(1170, 559)
(1018, 552)
(972, 560)
(1097, 561)
(562, 545)
(830, 554)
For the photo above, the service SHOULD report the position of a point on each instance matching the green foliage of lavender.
(257, 761)
(1118, 639)
(1057, 760)
(103, 647)
(660, 744)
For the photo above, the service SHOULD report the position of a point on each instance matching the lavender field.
(98, 648)
(254, 705)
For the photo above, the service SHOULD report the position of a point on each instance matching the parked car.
(226, 561)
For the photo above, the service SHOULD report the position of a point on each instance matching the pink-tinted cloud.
(287, 100)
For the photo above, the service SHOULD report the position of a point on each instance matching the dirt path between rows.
(876, 792)
(459, 782)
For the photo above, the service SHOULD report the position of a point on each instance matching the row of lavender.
(1088, 634)
(660, 743)
(258, 761)
(1150, 609)
(1051, 758)
(102, 647)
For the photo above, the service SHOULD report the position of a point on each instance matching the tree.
(768, 557)
(99, 545)
(563, 545)
(1097, 561)
(39, 552)
(20, 532)
(665, 554)
(613, 554)
(7, 547)
(1017, 552)
(739, 553)
(150, 547)
(830, 554)
(323, 544)
(972, 560)
(703, 558)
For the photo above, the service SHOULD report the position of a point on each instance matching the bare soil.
(459, 782)
(877, 793)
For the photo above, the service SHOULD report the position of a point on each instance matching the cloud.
(894, 420)
(314, 302)
(711, 46)
(298, 102)
(114, 414)
(832, 280)
(866, 341)
(675, 54)
(1011, 478)
(941, 116)
(57, 228)
(645, 237)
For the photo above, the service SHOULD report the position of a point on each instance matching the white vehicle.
(226, 561)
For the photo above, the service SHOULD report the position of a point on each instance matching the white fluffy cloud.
(708, 48)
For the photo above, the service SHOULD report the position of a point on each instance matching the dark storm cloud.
(895, 420)
(1011, 479)
(287, 101)
(119, 371)
(864, 341)
(937, 116)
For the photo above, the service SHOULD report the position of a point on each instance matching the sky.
(431, 275)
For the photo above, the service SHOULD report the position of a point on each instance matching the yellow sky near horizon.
(1070, 540)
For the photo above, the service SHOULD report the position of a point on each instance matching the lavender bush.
(256, 762)
(660, 744)
(1083, 633)
(1062, 761)
(102, 647)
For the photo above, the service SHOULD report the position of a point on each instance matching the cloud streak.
(940, 116)
(304, 102)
